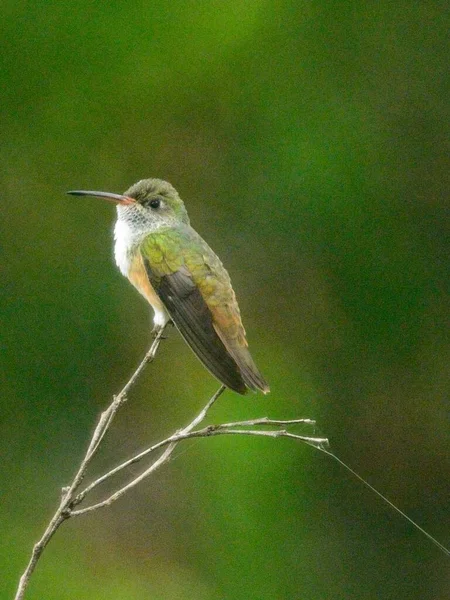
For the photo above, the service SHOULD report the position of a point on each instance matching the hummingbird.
(181, 277)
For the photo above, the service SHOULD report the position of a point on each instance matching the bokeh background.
(308, 141)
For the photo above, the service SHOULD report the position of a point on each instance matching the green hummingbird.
(182, 278)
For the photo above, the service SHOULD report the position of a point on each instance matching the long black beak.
(118, 198)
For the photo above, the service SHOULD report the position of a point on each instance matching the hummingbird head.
(155, 201)
(146, 205)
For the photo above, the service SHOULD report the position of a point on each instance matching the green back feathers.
(164, 251)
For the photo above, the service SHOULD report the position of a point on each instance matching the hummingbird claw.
(157, 330)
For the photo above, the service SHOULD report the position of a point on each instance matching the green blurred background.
(308, 141)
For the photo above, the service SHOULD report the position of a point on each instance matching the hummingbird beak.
(118, 198)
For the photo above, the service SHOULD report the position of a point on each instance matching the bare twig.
(64, 510)
(198, 419)
(169, 442)
(71, 497)
(186, 434)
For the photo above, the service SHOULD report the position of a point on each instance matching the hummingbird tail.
(254, 380)
(249, 371)
(214, 356)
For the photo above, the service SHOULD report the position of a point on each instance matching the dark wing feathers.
(192, 317)
(249, 371)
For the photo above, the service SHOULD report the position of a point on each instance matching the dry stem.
(64, 509)
(71, 497)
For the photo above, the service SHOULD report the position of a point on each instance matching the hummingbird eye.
(155, 203)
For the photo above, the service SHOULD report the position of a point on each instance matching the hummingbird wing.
(196, 291)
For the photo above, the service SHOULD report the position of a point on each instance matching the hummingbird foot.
(157, 328)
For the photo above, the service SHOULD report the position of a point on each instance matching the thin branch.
(71, 497)
(267, 421)
(169, 442)
(64, 509)
(198, 419)
(184, 434)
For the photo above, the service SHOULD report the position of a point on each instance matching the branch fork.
(71, 496)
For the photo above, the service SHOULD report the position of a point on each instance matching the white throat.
(132, 226)
(126, 242)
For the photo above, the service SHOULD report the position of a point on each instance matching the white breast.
(125, 240)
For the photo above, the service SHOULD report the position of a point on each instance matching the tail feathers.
(214, 356)
(249, 371)
(253, 379)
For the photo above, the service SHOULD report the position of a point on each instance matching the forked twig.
(64, 509)
(72, 497)
(186, 434)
